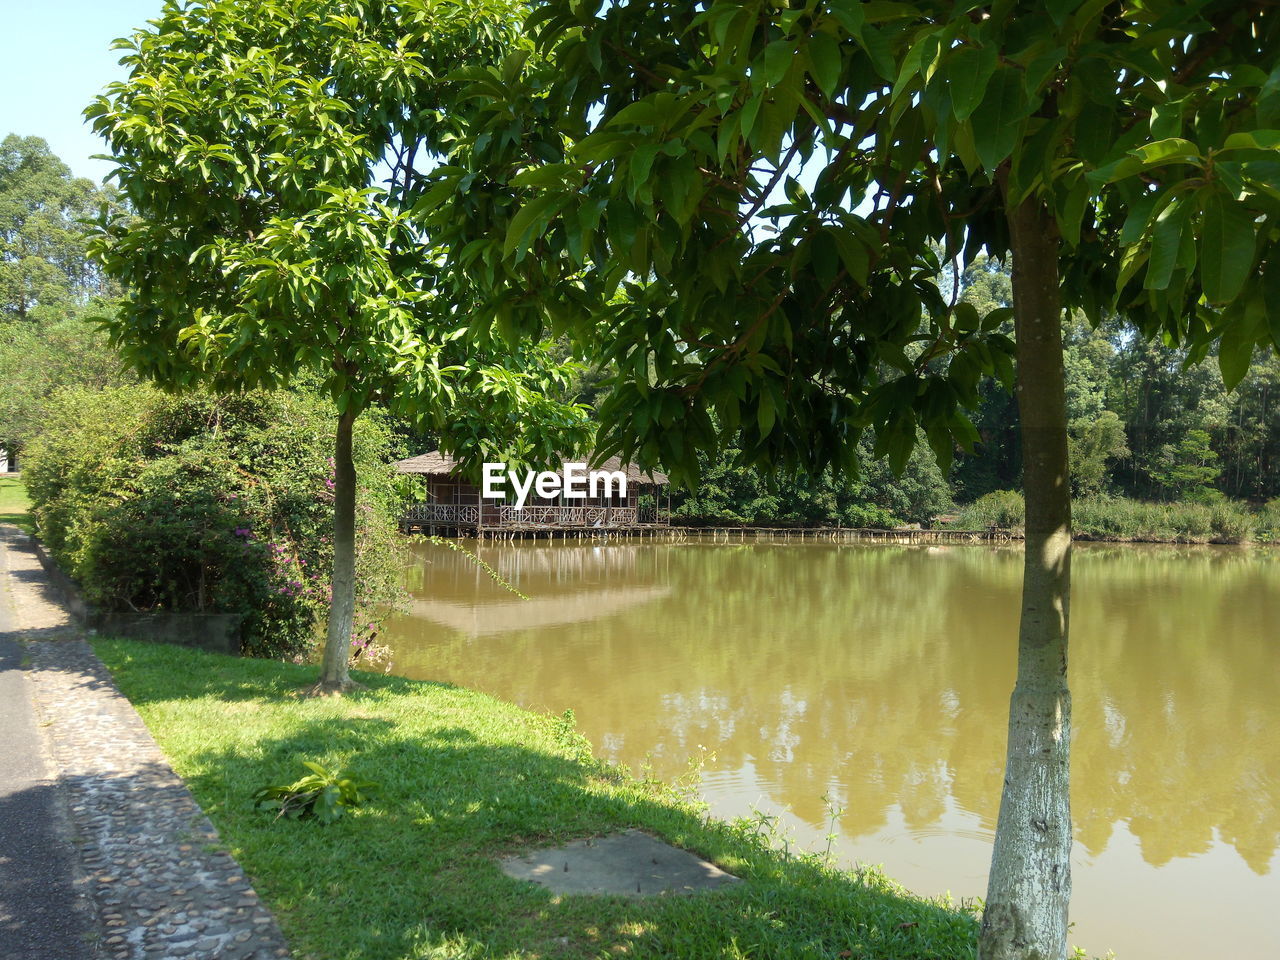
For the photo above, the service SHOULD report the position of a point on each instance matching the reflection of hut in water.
(454, 505)
(486, 619)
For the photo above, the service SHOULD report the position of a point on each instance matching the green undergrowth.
(1120, 520)
(14, 504)
(463, 779)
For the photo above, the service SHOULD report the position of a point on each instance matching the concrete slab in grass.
(631, 864)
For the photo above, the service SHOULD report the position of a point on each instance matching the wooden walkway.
(847, 534)
(719, 534)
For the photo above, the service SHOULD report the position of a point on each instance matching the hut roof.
(436, 463)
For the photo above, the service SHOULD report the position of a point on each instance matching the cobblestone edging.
(163, 887)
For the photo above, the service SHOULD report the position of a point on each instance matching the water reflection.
(879, 678)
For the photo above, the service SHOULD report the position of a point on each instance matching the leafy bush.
(999, 508)
(1120, 519)
(1230, 523)
(322, 794)
(1267, 522)
(211, 503)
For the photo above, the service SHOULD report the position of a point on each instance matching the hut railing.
(557, 516)
(446, 514)
(443, 513)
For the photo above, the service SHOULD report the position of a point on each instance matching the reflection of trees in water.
(882, 674)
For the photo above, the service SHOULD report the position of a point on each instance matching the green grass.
(14, 505)
(465, 778)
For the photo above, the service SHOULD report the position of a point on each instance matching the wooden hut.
(456, 506)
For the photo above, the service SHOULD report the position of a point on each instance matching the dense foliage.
(44, 270)
(208, 503)
(270, 152)
(1144, 420)
(42, 355)
(1119, 519)
(870, 497)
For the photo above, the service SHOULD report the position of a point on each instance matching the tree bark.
(1029, 888)
(334, 674)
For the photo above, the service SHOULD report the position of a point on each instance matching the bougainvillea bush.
(207, 503)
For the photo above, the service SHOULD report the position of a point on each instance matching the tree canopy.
(801, 165)
(268, 151)
(769, 208)
(44, 214)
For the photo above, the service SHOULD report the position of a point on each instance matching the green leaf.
(1071, 211)
(1059, 10)
(777, 58)
(550, 174)
(1140, 213)
(849, 14)
(1166, 240)
(1226, 247)
(1119, 169)
(824, 56)
(877, 48)
(853, 254)
(1166, 119)
(1167, 151)
(1253, 140)
(641, 163)
(765, 414)
(966, 317)
(995, 318)
(1271, 297)
(969, 71)
(996, 122)
(1235, 352)
(526, 221)
(750, 110)
(826, 257)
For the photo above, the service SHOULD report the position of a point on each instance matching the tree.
(268, 150)
(37, 359)
(44, 269)
(1188, 470)
(768, 183)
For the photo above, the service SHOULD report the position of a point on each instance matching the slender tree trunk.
(1030, 882)
(334, 675)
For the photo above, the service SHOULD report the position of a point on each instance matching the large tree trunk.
(334, 675)
(1030, 882)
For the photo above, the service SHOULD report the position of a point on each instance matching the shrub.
(211, 503)
(1115, 518)
(1267, 522)
(1000, 508)
(1230, 523)
(323, 794)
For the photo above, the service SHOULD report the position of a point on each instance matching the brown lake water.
(879, 676)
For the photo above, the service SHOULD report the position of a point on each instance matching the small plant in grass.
(322, 794)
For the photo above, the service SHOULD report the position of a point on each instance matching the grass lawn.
(464, 778)
(13, 501)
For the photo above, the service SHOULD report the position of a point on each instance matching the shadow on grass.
(464, 780)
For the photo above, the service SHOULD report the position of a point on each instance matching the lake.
(876, 679)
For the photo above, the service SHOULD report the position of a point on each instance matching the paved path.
(103, 851)
(45, 913)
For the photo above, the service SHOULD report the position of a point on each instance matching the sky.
(56, 56)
